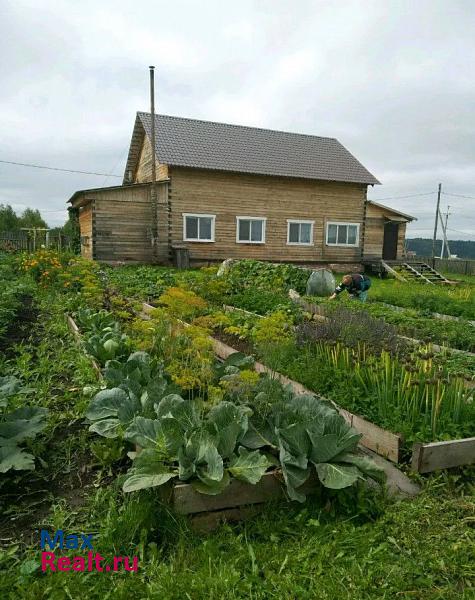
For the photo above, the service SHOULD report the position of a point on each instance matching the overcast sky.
(392, 80)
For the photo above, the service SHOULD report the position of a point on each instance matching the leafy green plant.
(133, 388)
(104, 339)
(92, 321)
(107, 345)
(209, 449)
(16, 427)
(255, 274)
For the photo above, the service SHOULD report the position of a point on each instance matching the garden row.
(213, 424)
(290, 550)
(354, 359)
(263, 287)
(384, 388)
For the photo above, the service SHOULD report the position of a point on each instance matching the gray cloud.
(392, 80)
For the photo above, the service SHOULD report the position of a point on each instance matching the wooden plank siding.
(122, 224)
(144, 167)
(374, 232)
(228, 195)
(85, 225)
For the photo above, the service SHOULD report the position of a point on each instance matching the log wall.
(228, 195)
(122, 224)
(85, 225)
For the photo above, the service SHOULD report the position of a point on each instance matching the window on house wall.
(198, 228)
(343, 234)
(299, 232)
(251, 230)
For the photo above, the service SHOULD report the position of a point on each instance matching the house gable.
(143, 171)
(239, 149)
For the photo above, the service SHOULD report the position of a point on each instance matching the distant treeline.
(423, 247)
(30, 218)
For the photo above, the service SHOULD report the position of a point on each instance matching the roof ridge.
(322, 137)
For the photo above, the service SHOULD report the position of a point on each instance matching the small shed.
(385, 232)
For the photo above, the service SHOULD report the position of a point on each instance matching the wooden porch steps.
(422, 271)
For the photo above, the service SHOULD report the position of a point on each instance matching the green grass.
(459, 277)
(419, 549)
(358, 547)
(458, 300)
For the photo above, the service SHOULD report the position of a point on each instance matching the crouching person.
(356, 284)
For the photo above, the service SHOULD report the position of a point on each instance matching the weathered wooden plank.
(383, 442)
(186, 500)
(393, 272)
(443, 455)
(77, 335)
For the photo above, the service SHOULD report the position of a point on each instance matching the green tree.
(72, 231)
(32, 218)
(9, 220)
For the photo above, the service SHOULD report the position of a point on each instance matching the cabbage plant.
(133, 388)
(16, 427)
(300, 434)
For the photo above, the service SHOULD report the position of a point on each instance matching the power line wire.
(458, 231)
(459, 196)
(396, 197)
(10, 162)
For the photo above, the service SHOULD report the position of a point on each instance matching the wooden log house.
(228, 191)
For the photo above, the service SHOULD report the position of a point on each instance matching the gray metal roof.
(223, 147)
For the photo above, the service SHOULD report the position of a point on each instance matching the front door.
(391, 231)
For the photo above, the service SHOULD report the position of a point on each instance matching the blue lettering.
(72, 542)
(46, 539)
(86, 541)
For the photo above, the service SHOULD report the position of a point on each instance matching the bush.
(353, 328)
(268, 276)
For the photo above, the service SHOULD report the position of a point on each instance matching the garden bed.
(376, 438)
(319, 310)
(425, 457)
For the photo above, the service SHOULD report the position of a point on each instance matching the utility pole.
(154, 170)
(437, 210)
(444, 228)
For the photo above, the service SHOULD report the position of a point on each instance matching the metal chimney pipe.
(152, 113)
(153, 194)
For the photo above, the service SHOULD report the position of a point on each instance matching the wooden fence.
(452, 265)
(25, 241)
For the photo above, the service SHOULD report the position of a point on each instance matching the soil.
(26, 497)
(243, 346)
(20, 328)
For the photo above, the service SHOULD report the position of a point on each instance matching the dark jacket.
(359, 283)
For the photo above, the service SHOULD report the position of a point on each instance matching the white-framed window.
(299, 232)
(343, 234)
(198, 227)
(251, 230)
